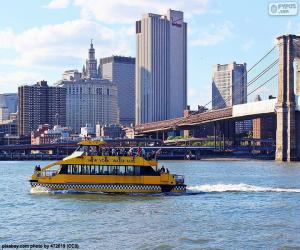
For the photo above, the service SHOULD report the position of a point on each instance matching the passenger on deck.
(130, 152)
(139, 151)
(143, 152)
(157, 153)
(162, 170)
(122, 152)
(167, 171)
(39, 168)
(35, 168)
(152, 154)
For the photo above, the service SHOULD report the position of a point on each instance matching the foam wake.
(242, 187)
(39, 190)
(44, 190)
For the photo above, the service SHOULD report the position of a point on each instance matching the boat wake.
(242, 187)
(39, 190)
(43, 190)
(191, 190)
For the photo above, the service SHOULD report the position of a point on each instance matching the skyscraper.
(40, 104)
(89, 99)
(229, 85)
(161, 67)
(121, 71)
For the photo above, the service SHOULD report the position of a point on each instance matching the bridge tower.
(288, 120)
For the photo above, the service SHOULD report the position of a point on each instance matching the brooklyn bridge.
(285, 108)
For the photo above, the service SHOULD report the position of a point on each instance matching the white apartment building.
(229, 85)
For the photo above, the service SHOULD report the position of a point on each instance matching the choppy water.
(229, 205)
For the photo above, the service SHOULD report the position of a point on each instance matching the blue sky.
(41, 39)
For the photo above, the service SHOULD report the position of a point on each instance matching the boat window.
(75, 169)
(97, 169)
(94, 169)
(79, 168)
(122, 170)
(148, 171)
(83, 149)
(63, 169)
(130, 170)
(69, 169)
(93, 150)
(101, 169)
(85, 169)
(112, 170)
(137, 171)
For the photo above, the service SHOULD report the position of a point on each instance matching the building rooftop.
(117, 59)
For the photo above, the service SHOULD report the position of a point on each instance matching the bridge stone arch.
(288, 119)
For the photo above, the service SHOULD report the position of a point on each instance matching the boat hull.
(112, 188)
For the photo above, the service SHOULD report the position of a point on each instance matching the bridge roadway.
(237, 112)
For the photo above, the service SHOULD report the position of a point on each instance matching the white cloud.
(192, 92)
(7, 36)
(217, 33)
(120, 11)
(56, 45)
(248, 44)
(57, 4)
(9, 82)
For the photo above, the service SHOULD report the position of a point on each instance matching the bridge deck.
(247, 111)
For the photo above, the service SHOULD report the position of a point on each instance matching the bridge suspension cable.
(246, 72)
(254, 79)
(264, 83)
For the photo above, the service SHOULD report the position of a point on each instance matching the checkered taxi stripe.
(104, 186)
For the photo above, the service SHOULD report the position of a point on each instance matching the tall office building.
(40, 104)
(229, 85)
(89, 99)
(161, 67)
(121, 71)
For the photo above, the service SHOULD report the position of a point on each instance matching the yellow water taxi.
(94, 167)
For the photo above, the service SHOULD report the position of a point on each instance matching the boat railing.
(47, 173)
(179, 179)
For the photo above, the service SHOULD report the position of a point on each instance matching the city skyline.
(61, 29)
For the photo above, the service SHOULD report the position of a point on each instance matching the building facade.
(4, 114)
(121, 71)
(161, 67)
(45, 135)
(9, 127)
(229, 85)
(9, 100)
(89, 99)
(40, 104)
(265, 127)
(111, 131)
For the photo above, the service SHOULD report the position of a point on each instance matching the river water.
(229, 205)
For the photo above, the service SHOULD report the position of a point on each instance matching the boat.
(95, 167)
